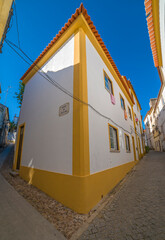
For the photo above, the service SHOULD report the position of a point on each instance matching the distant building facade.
(155, 117)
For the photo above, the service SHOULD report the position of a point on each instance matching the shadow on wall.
(36, 139)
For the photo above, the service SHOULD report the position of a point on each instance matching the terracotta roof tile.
(150, 24)
(80, 10)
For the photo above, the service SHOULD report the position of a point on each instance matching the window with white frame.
(113, 137)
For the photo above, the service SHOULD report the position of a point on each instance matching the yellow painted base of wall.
(78, 193)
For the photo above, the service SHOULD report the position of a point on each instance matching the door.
(20, 144)
(134, 151)
(139, 148)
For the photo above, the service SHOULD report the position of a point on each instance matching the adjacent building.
(4, 124)
(6, 12)
(79, 129)
(155, 117)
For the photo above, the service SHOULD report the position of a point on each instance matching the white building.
(77, 136)
(155, 118)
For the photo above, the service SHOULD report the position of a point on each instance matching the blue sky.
(121, 24)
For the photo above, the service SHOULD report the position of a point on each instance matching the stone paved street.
(18, 219)
(137, 211)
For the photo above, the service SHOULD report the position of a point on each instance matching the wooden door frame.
(17, 146)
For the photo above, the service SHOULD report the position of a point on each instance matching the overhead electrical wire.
(57, 85)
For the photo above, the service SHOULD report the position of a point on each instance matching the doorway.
(20, 145)
(134, 151)
(139, 148)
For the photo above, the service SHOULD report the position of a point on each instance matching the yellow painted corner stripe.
(81, 162)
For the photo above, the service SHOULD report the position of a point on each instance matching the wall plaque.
(64, 109)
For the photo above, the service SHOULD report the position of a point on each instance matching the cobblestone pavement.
(137, 211)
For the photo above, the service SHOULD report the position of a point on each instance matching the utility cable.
(57, 85)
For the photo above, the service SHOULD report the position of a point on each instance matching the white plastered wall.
(48, 137)
(100, 156)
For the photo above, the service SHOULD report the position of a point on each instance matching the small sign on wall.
(64, 109)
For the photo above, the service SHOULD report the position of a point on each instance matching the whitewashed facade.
(76, 142)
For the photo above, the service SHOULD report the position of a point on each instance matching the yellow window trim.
(105, 74)
(123, 100)
(17, 146)
(128, 151)
(118, 150)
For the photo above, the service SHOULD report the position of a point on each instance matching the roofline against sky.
(152, 13)
(80, 11)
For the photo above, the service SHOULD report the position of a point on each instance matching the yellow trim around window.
(123, 100)
(105, 74)
(128, 151)
(17, 146)
(110, 125)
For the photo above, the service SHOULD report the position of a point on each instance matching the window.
(113, 137)
(108, 84)
(122, 102)
(129, 112)
(127, 143)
